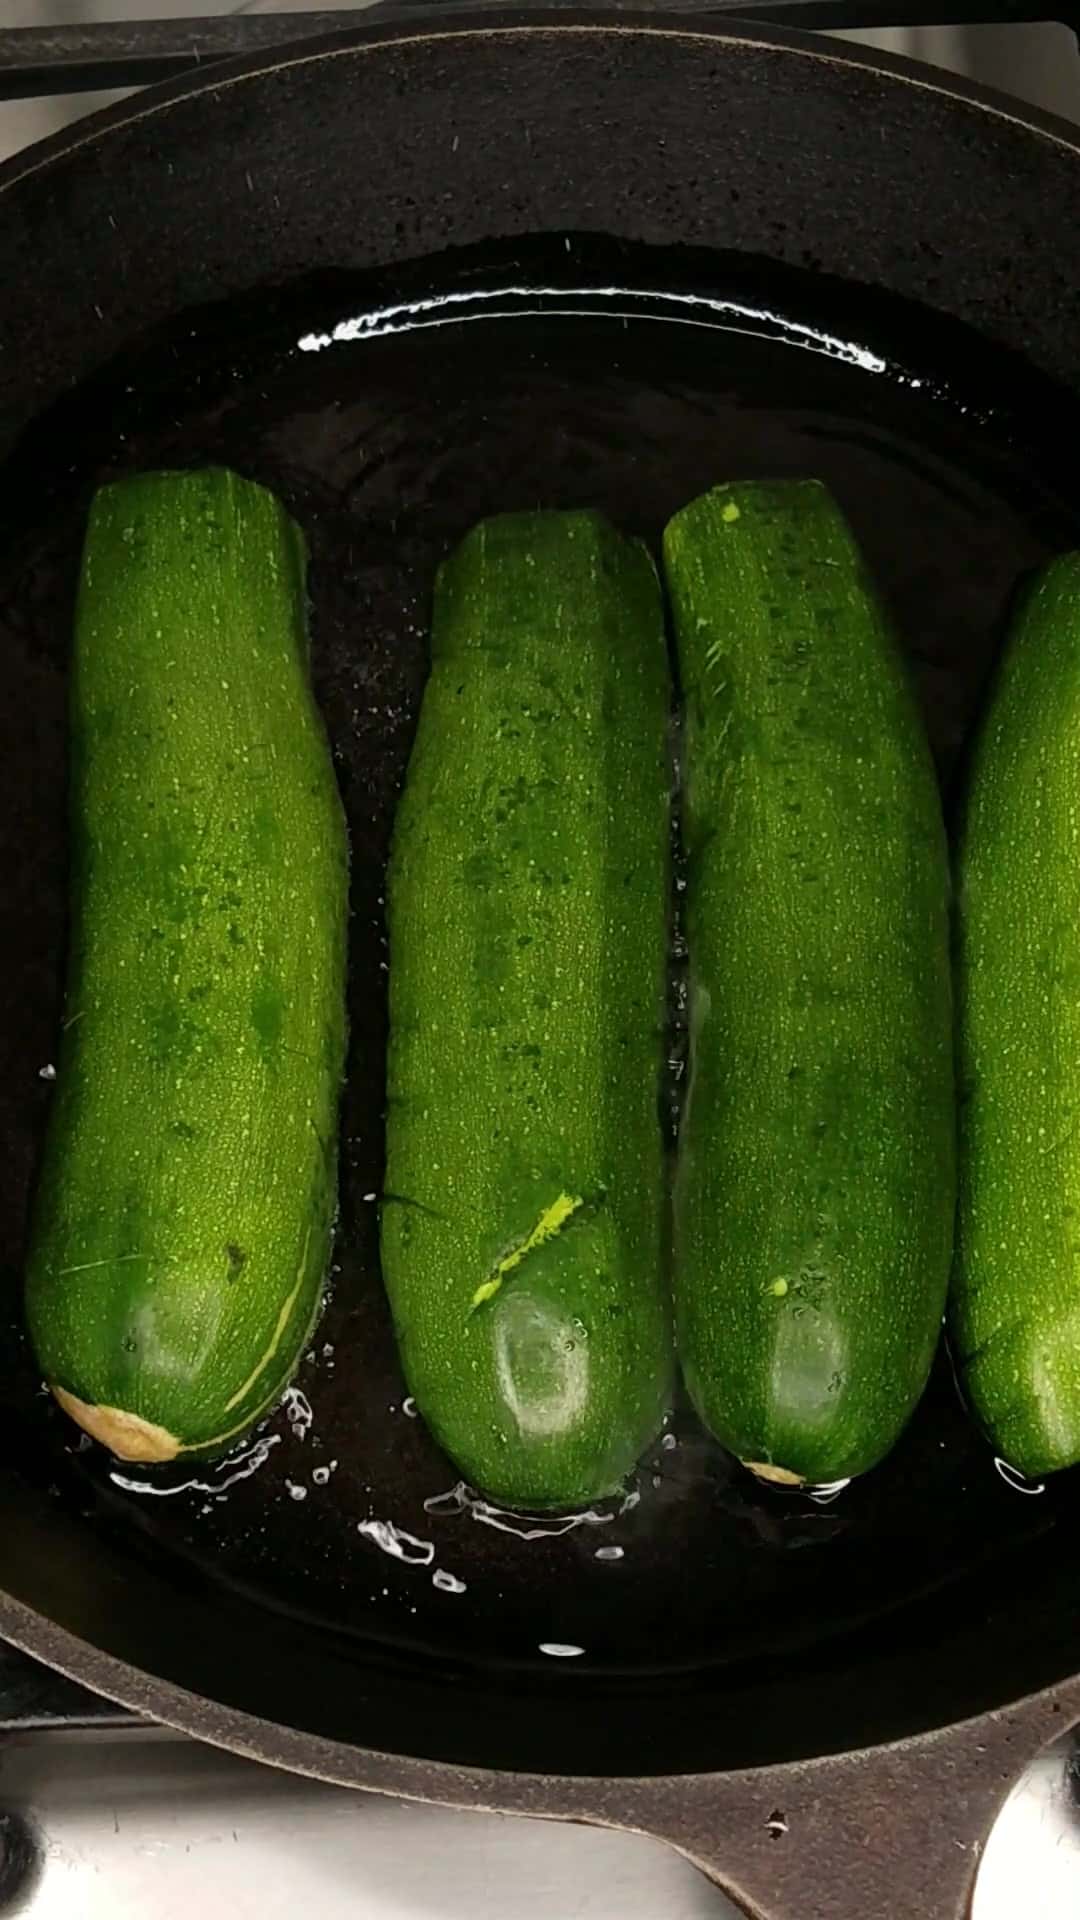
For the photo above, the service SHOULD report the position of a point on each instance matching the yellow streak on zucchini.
(129, 1437)
(275, 1338)
(777, 1476)
(551, 1222)
(125, 1434)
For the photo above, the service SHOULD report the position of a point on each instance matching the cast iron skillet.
(880, 1688)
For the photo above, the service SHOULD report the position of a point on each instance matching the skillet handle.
(892, 1833)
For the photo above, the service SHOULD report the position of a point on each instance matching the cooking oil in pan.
(390, 419)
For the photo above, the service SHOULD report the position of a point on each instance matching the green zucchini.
(522, 1225)
(184, 1214)
(815, 1184)
(1015, 1300)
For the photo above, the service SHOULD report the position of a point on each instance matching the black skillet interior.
(309, 1578)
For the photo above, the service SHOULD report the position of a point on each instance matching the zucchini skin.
(183, 1220)
(815, 1185)
(523, 1224)
(1015, 1299)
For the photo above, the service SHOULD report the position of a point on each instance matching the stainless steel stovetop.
(105, 1817)
(121, 1823)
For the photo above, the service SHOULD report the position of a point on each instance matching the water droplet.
(828, 1490)
(1016, 1480)
(399, 1544)
(447, 1582)
(525, 1526)
(298, 1412)
(239, 1465)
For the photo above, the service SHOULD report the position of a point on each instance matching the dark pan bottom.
(387, 444)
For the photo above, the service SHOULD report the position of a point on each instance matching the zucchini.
(1015, 1301)
(815, 1184)
(184, 1213)
(523, 1221)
